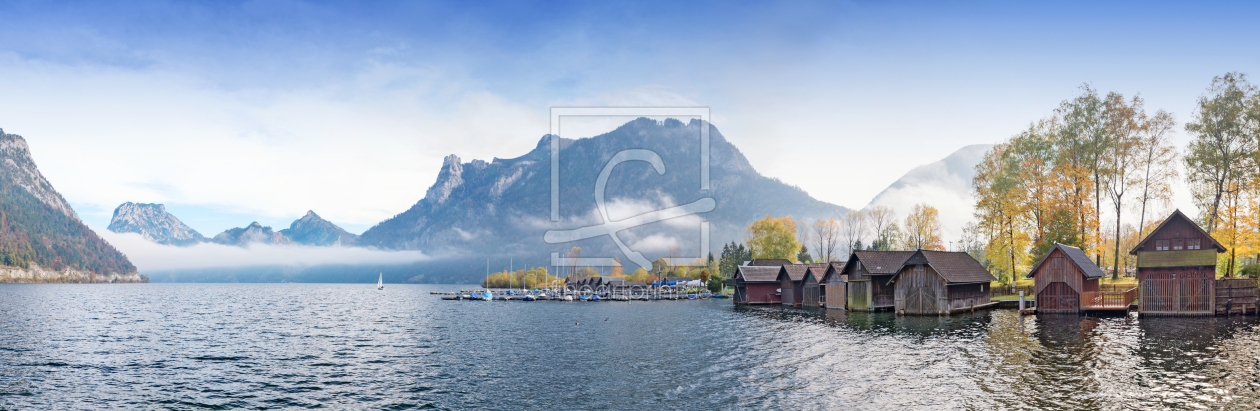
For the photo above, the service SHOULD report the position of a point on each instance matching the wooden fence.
(1236, 296)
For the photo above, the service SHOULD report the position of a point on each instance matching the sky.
(232, 112)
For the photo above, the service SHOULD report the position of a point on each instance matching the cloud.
(359, 149)
(149, 256)
(655, 243)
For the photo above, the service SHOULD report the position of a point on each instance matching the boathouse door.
(1177, 293)
(1058, 298)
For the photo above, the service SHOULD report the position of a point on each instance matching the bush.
(1250, 271)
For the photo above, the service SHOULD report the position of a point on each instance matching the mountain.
(503, 207)
(253, 233)
(153, 223)
(944, 184)
(313, 230)
(41, 238)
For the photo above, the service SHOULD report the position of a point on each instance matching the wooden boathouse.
(813, 294)
(756, 285)
(1066, 282)
(792, 283)
(867, 277)
(941, 282)
(834, 286)
(1176, 269)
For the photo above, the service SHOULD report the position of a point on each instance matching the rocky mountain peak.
(18, 166)
(450, 178)
(153, 223)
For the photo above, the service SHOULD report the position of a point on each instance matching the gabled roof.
(817, 272)
(757, 274)
(1076, 256)
(879, 262)
(769, 262)
(1177, 214)
(953, 266)
(833, 269)
(796, 272)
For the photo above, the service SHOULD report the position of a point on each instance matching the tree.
(826, 235)
(1223, 152)
(733, 255)
(588, 272)
(574, 254)
(773, 238)
(1124, 122)
(852, 229)
(881, 219)
(1083, 141)
(923, 228)
(616, 270)
(1157, 156)
(889, 239)
(803, 256)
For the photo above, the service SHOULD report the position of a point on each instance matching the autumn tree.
(1124, 122)
(1000, 211)
(883, 221)
(923, 228)
(773, 238)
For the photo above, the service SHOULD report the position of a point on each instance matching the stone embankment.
(36, 274)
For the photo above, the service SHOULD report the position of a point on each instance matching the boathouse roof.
(819, 272)
(1177, 215)
(880, 262)
(796, 272)
(757, 274)
(953, 266)
(1076, 256)
(768, 262)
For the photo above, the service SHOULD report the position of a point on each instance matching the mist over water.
(279, 346)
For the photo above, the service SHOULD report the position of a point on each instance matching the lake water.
(280, 346)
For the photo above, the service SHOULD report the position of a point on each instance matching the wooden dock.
(1108, 300)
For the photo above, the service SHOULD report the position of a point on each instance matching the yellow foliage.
(773, 238)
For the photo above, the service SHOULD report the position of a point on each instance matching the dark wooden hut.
(867, 275)
(792, 283)
(941, 282)
(1064, 279)
(1176, 269)
(812, 295)
(834, 286)
(757, 285)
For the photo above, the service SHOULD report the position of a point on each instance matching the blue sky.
(231, 112)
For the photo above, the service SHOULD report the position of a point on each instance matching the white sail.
(380, 281)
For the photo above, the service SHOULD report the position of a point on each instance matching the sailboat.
(380, 281)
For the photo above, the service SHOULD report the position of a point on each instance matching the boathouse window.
(1161, 245)
(1177, 244)
(918, 269)
(859, 265)
(1194, 244)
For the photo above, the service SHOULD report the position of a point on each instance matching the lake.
(285, 346)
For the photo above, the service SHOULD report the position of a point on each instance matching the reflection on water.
(350, 346)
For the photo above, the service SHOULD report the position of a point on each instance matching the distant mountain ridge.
(316, 231)
(41, 237)
(153, 223)
(502, 207)
(252, 233)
